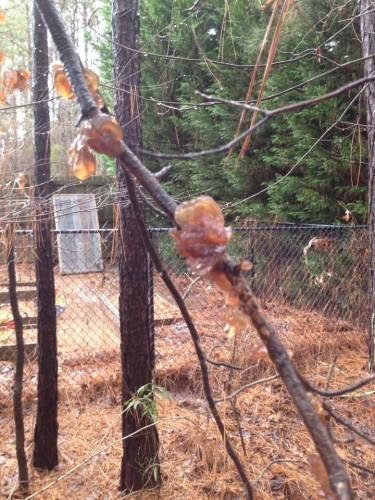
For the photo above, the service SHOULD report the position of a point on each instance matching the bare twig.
(330, 372)
(277, 461)
(68, 55)
(267, 115)
(245, 387)
(338, 392)
(163, 172)
(360, 467)
(222, 363)
(347, 424)
(293, 59)
(277, 352)
(149, 204)
(149, 182)
(186, 292)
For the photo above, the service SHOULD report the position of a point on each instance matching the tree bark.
(139, 467)
(368, 47)
(46, 428)
(23, 477)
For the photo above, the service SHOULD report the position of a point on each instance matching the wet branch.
(338, 392)
(348, 424)
(267, 115)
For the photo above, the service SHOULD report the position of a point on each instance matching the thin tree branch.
(163, 172)
(267, 115)
(338, 392)
(189, 288)
(149, 204)
(330, 372)
(347, 424)
(278, 354)
(68, 56)
(245, 387)
(221, 363)
(148, 181)
(360, 467)
(209, 152)
(277, 461)
(214, 61)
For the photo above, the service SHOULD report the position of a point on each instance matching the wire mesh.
(313, 268)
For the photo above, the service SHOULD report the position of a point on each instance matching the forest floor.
(262, 422)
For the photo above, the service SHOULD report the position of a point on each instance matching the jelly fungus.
(62, 83)
(321, 475)
(82, 163)
(100, 133)
(317, 403)
(234, 316)
(202, 237)
(103, 134)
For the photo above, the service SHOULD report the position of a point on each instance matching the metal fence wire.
(320, 269)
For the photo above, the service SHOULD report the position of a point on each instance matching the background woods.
(295, 191)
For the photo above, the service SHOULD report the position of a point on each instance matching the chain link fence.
(319, 269)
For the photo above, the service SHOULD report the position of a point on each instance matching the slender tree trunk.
(45, 438)
(368, 48)
(139, 468)
(23, 477)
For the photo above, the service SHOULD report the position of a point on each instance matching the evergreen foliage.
(287, 173)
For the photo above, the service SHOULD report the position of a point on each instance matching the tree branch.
(338, 392)
(347, 424)
(245, 387)
(267, 115)
(23, 475)
(69, 56)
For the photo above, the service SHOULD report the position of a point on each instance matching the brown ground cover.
(262, 422)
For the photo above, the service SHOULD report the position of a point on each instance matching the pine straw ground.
(262, 422)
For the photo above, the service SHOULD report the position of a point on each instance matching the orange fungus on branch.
(82, 163)
(62, 83)
(202, 237)
(100, 133)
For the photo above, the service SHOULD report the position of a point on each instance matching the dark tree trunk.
(23, 477)
(139, 468)
(368, 47)
(45, 438)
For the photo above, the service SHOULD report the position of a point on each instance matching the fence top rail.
(306, 227)
(294, 227)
